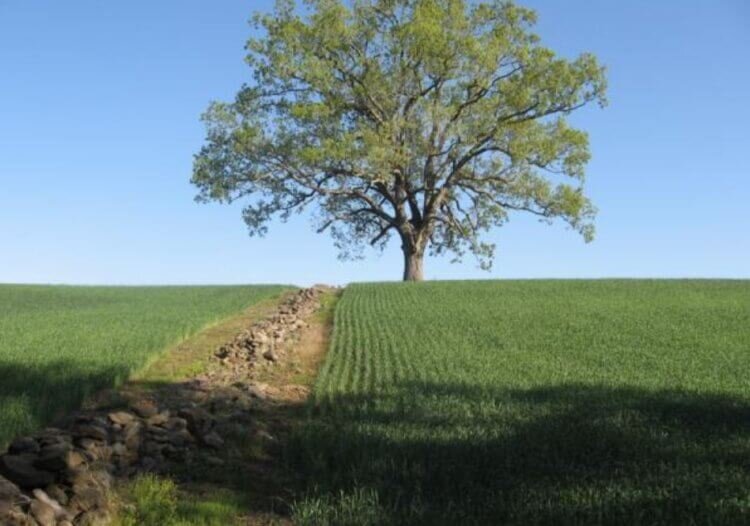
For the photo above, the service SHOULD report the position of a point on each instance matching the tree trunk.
(413, 264)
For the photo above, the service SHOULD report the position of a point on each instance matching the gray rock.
(122, 418)
(132, 435)
(257, 390)
(52, 435)
(144, 408)
(158, 419)
(90, 478)
(59, 511)
(8, 490)
(174, 453)
(213, 440)
(119, 449)
(152, 449)
(59, 457)
(213, 461)
(148, 463)
(57, 493)
(270, 355)
(20, 470)
(158, 434)
(181, 438)
(93, 431)
(43, 513)
(198, 420)
(23, 445)
(11, 501)
(94, 449)
(87, 498)
(94, 518)
(176, 423)
(13, 517)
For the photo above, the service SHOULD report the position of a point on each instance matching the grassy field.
(537, 402)
(60, 344)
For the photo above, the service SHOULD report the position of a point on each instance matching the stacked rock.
(267, 338)
(62, 476)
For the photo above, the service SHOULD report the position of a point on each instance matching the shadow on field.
(566, 454)
(249, 478)
(458, 454)
(33, 395)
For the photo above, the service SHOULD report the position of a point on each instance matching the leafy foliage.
(433, 119)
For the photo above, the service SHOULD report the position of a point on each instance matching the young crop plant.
(533, 402)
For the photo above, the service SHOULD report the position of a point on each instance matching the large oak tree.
(430, 120)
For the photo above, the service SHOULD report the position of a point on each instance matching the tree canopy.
(431, 120)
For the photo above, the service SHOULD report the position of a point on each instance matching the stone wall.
(62, 476)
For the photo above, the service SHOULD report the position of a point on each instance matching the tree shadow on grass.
(565, 454)
(241, 478)
(452, 453)
(34, 395)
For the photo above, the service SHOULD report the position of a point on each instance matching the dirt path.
(202, 429)
(260, 480)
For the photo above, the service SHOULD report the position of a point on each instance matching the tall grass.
(538, 402)
(60, 344)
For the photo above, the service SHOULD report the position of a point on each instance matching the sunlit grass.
(555, 402)
(150, 500)
(61, 344)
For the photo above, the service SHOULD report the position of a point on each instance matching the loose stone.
(122, 418)
(20, 470)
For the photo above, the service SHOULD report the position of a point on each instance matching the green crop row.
(537, 402)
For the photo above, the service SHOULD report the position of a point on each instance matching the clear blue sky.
(99, 119)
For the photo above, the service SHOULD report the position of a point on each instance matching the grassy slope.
(60, 344)
(533, 402)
